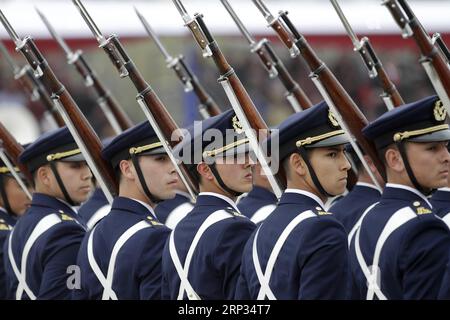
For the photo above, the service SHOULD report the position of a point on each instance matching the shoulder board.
(234, 212)
(5, 227)
(320, 212)
(152, 221)
(419, 209)
(66, 217)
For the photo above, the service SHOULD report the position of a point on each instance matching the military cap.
(312, 128)
(419, 121)
(140, 139)
(55, 145)
(218, 136)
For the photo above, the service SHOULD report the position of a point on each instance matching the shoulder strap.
(177, 214)
(41, 227)
(183, 271)
(106, 282)
(98, 215)
(262, 213)
(264, 279)
(398, 219)
(358, 223)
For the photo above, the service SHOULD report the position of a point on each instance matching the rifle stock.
(14, 149)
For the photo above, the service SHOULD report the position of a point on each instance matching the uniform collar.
(399, 191)
(292, 196)
(98, 194)
(262, 193)
(441, 194)
(446, 189)
(368, 185)
(44, 200)
(132, 206)
(215, 199)
(182, 194)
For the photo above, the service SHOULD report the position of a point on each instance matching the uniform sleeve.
(60, 254)
(242, 290)
(150, 265)
(165, 287)
(3, 254)
(230, 245)
(324, 263)
(424, 258)
(444, 292)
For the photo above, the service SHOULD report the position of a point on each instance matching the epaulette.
(153, 222)
(65, 217)
(234, 212)
(419, 209)
(320, 212)
(5, 227)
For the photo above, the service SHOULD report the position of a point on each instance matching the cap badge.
(439, 111)
(333, 119)
(237, 126)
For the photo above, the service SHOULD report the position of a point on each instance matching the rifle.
(151, 105)
(390, 95)
(208, 107)
(349, 116)
(433, 62)
(242, 104)
(272, 63)
(12, 170)
(117, 118)
(14, 149)
(81, 130)
(31, 86)
(437, 41)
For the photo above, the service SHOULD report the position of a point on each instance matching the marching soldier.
(171, 211)
(405, 245)
(300, 251)
(201, 259)
(120, 258)
(13, 204)
(349, 210)
(260, 201)
(42, 248)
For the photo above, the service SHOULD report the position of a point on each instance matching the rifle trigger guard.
(226, 75)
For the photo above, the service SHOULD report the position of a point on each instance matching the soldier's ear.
(127, 170)
(394, 160)
(204, 171)
(44, 175)
(297, 164)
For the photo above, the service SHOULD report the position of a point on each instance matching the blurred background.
(316, 19)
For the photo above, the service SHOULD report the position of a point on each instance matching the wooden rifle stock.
(350, 113)
(428, 50)
(103, 94)
(14, 149)
(84, 129)
(152, 101)
(207, 102)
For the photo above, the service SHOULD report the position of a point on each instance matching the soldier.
(202, 257)
(260, 201)
(13, 204)
(97, 206)
(120, 258)
(405, 245)
(43, 246)
(300, 251)
(349, 210)
(441, 203)
(171, 211)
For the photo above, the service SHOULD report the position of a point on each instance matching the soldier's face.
(236, 172)
(77, 179)
(331, 166)
(17, 198)
(160, 175)
(429, 162)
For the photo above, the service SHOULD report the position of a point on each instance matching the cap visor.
(332, 141)
(441, 135)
